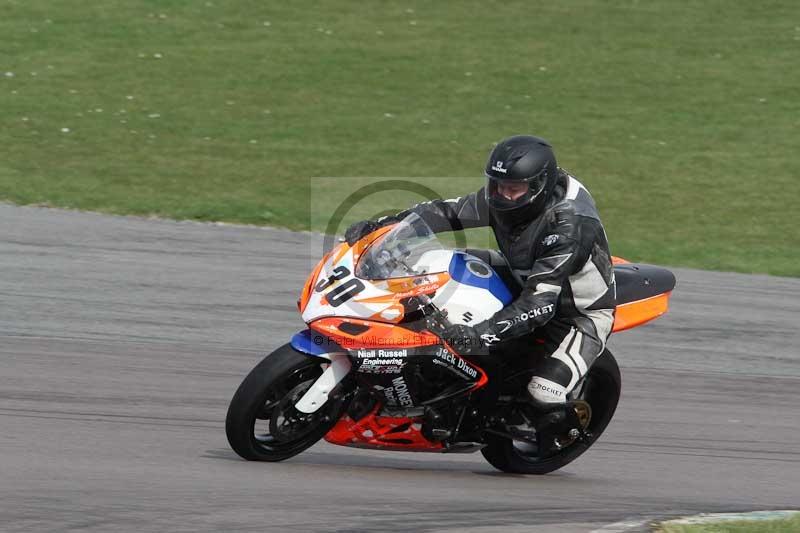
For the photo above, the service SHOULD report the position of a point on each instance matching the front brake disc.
(287, 423)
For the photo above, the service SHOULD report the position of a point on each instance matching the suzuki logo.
(498, 166)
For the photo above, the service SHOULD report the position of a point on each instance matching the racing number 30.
(343, 292)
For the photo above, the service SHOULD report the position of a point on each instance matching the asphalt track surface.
(123, 339)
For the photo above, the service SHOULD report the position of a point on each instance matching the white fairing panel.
(466, 304)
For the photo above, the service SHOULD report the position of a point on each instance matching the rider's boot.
(557, 426)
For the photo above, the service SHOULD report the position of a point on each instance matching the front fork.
(321, 347)
(318, 394)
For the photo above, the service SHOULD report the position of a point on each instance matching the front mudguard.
(316, 345)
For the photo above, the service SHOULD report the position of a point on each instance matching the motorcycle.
(370, 372)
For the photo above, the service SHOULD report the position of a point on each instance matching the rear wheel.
(600, 390)
(262, 423)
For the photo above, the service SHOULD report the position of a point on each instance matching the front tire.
(601, 390)
(262, 424)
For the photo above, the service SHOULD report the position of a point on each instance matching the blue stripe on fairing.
(458, 271)
(304, 342)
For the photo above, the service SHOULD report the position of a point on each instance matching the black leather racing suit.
(562, 264)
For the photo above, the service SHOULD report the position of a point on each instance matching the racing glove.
(358, 230)
(466, 340)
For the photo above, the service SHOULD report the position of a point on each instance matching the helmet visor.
(509, 194)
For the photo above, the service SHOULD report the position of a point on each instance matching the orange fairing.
(618, 261)
(633, 314)
(360, 246)
(306, 294)
(382, 432)
(415, 285)
(376, 334)
(400, 288)
(338, 252)
(394, 314)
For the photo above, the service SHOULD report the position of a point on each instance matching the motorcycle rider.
(554, 255)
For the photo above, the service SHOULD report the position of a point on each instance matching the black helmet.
(524, 166)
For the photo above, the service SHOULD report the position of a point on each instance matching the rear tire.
(281, 373)
(601, 390)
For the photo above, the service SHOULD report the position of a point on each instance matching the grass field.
(784, 525)
(680, 116)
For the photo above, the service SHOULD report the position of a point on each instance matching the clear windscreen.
(397, 254)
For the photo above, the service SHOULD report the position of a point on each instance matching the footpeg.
(435, 426)
(440, 434)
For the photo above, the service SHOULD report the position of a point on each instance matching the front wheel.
(601, 390)
(262, 423)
